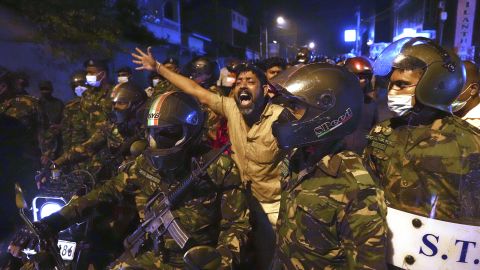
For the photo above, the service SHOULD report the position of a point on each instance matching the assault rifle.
(158, 212)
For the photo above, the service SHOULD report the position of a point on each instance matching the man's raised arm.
(146, 61)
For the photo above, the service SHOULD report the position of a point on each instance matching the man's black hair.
(274, 62)
(124, 70)
(242, 68)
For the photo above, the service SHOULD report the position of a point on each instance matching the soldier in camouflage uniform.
(205, 72)
(20, 136)
(73, 124)
(215, 203)
(426, 159)
(332, 215)
(110, 143)
(97, 100)
(159, 85)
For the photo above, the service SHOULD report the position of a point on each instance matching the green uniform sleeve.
(235, 213)
(86, 149)
(81, 207)
(362, 222)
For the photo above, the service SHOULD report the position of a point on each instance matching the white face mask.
(79, 90)
(400, 104)
(122, 79)
(92, 80)
(155, 82)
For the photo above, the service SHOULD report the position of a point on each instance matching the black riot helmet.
(330, 97)
(174, 125)
(443, 72)
(203, 70)
(127, 93)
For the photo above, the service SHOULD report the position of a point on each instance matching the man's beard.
(246, 111)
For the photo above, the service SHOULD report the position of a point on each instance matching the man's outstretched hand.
(146, 61)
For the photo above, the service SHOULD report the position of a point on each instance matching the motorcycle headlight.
(45, 206)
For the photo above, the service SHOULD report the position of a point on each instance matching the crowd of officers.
(312, 165)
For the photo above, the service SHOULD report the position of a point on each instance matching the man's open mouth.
(245, 98)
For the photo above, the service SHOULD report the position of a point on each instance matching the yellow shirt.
(255, 151)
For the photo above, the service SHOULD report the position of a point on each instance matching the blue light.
(350, 35)
(192, 118)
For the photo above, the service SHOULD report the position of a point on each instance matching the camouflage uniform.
(106, 148)
(204, 211)
(26, 110)
(95, 104)
(73, 125)
(414, 163)
(332, 216)
(20, 137)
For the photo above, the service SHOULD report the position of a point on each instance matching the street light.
(311, 45)
(280, 20)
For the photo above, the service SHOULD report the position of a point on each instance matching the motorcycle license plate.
(66, 249)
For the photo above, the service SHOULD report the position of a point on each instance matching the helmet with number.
(174, 124)
(127, 93)
(203, 70)
(329, 99)
(443, 72)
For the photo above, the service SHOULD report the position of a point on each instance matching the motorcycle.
(55, 190)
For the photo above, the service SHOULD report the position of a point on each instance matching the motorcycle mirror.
(19, 198)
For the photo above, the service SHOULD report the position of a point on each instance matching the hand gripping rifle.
(158, 212)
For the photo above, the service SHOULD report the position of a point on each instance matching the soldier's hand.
(146, 61)
(22, 239)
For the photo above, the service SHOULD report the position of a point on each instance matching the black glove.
(50, 226)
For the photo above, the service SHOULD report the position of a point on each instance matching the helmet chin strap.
(423, 115)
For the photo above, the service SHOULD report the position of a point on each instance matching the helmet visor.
(384, 63)
(165, 137)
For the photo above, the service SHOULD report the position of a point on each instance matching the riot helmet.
(203, 71)
(443, 72)
(331, 101)
(128, 101)
(363, 69)
(174, 124)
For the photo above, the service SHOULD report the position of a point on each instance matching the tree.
(74, 28)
